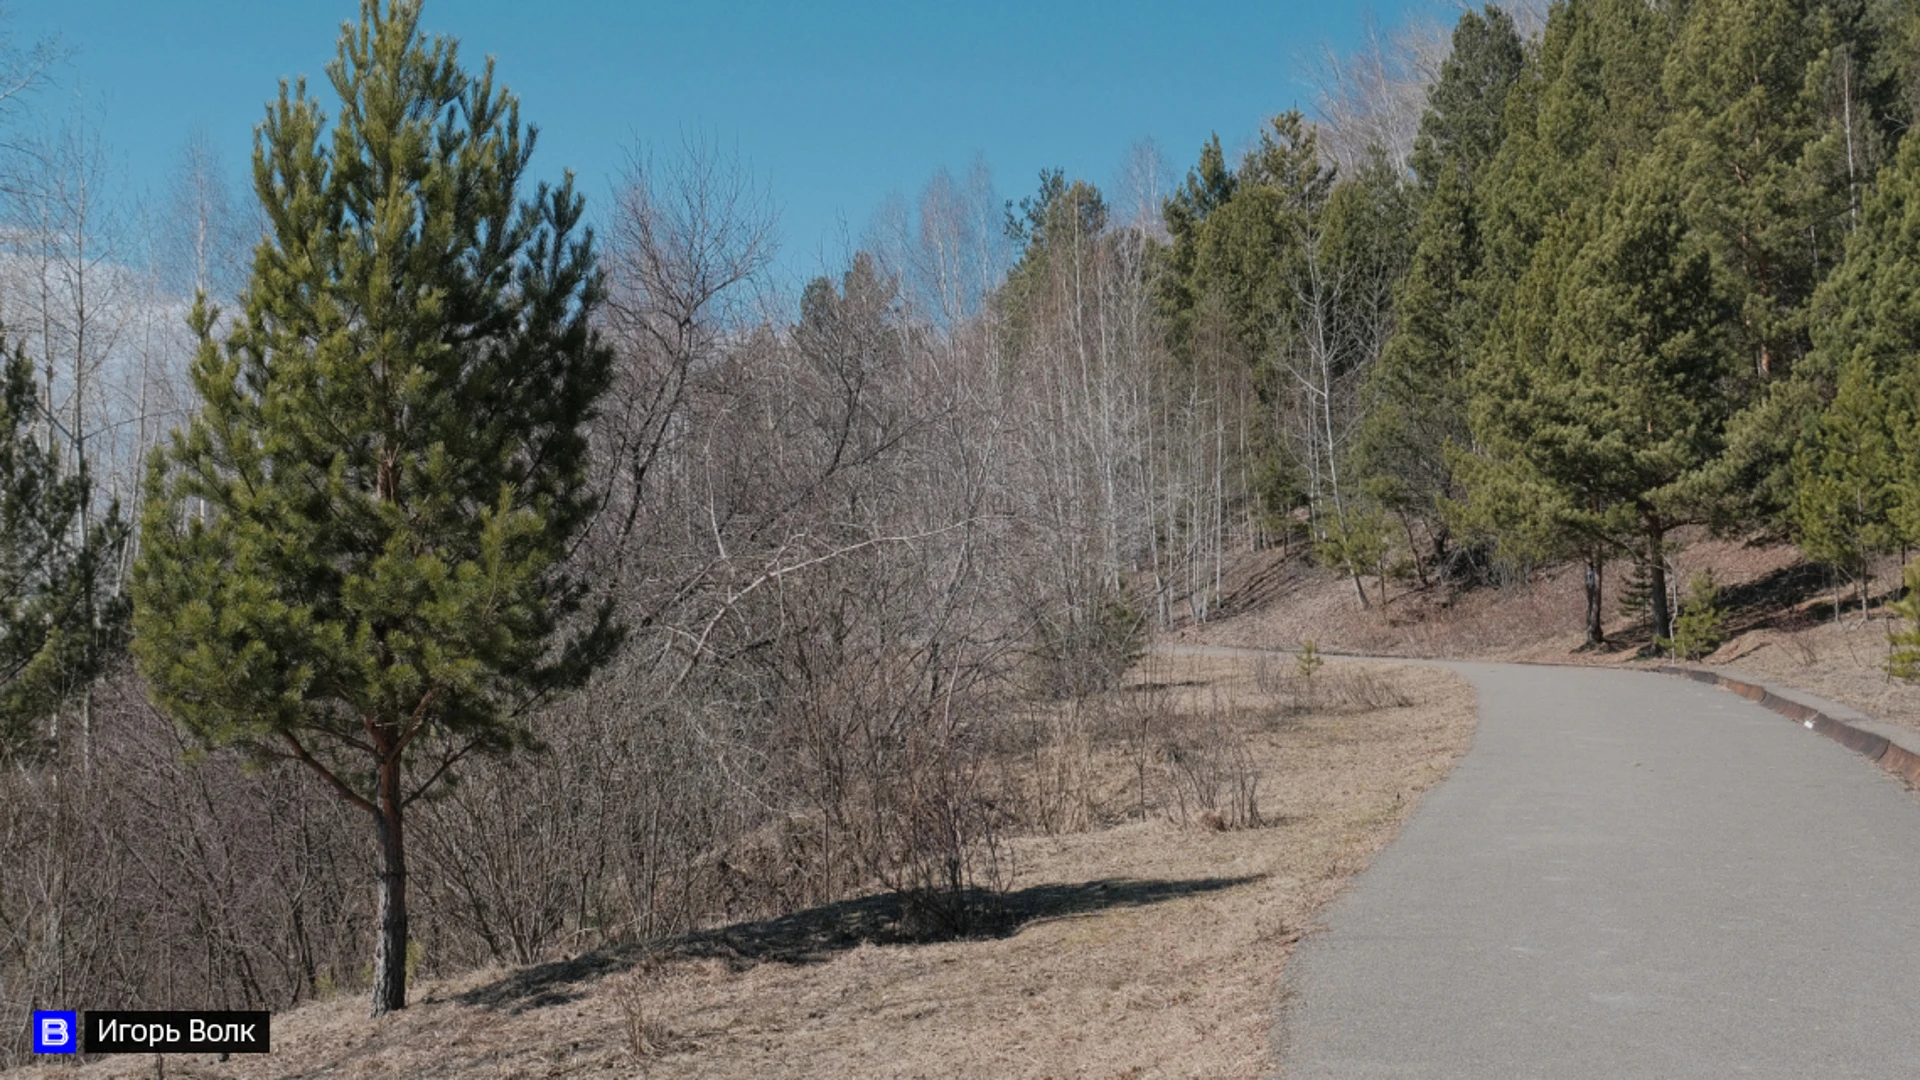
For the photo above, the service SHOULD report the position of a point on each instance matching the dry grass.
(1144, 948)
(1780, 621)
(1842, 662)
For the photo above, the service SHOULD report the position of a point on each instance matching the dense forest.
(654, 598)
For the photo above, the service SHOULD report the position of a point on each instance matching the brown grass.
(1780, 621)
(1137, 949)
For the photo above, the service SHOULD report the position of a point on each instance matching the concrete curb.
(1896, 759)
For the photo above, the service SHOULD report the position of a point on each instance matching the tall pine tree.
(61, 615)
(1415, 397)
(1613, 397)
(354, 552)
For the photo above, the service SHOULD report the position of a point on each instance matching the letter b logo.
(55, 1032)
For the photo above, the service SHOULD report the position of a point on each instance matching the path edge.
(1891, 756)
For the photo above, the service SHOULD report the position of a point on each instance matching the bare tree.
(1373, 99)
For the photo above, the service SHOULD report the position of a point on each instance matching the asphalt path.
(1628, 875)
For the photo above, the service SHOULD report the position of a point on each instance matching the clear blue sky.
(835, 104)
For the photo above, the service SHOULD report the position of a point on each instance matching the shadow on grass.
(818, 934)
(1775, 600)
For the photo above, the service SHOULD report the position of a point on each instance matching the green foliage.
(1701, 625)
(1797, 102)
(1844, 481)
(390, 450)
(1061, 218)
(1361, 540)
(1600, 392)
(1463, 124)
(1308, 661)
(354, 552)
(1248, 250)
(1903, 660)
(61, 615)
(1208, 186)
(1744, 109)
(1416, 395)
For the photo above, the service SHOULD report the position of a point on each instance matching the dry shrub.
(1800, 649)
(1059, 786)
(1358, 688)
(1214, 779)
(1142, 716)
(635, 994)
(1337, 688)
(948, 860)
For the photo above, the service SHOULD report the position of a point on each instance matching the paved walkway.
(1629, 875)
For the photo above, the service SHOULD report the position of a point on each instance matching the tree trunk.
(1596, 635)
(1657, 565)
(390, 949)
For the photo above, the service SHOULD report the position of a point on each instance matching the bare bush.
(1360, 688)
(635, 993)
(1213, 777)
(142, 875)
(1058, 799)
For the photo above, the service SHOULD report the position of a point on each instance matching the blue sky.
(835, 105)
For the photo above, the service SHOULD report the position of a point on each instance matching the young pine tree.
(1844, 480)
(353, 553)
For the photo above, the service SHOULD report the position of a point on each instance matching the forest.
(403, 490)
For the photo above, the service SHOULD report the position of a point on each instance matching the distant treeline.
(1655, 267)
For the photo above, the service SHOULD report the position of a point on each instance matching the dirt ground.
(1780, 622)
(1149, 948)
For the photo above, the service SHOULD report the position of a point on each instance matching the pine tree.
(1208, 186)
(1416, 395)
(354, 553)
(1866, 329)
(1743, 116)
(1595, 395)
(1248, 253)
(1464, 122)
(60, 615)
(1844, 480)
(1784, 110)
(1606, 382)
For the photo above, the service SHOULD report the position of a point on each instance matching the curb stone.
(1891, 756)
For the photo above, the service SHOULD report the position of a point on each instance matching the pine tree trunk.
(1657, 565)
(1596, 635)
(390, 949)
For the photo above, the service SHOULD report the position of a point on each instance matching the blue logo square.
(56, 1031)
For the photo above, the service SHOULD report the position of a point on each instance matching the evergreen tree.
(1783, 113)
(1415, 397)
(1844, 481)
(1743, 115)
(60, 616)
(1249, 252)
(1605, 383)
(1866, 331)
(1208, 186)
(354, 552)
(1059, 221)
(1865, 309)
(1464, 121)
